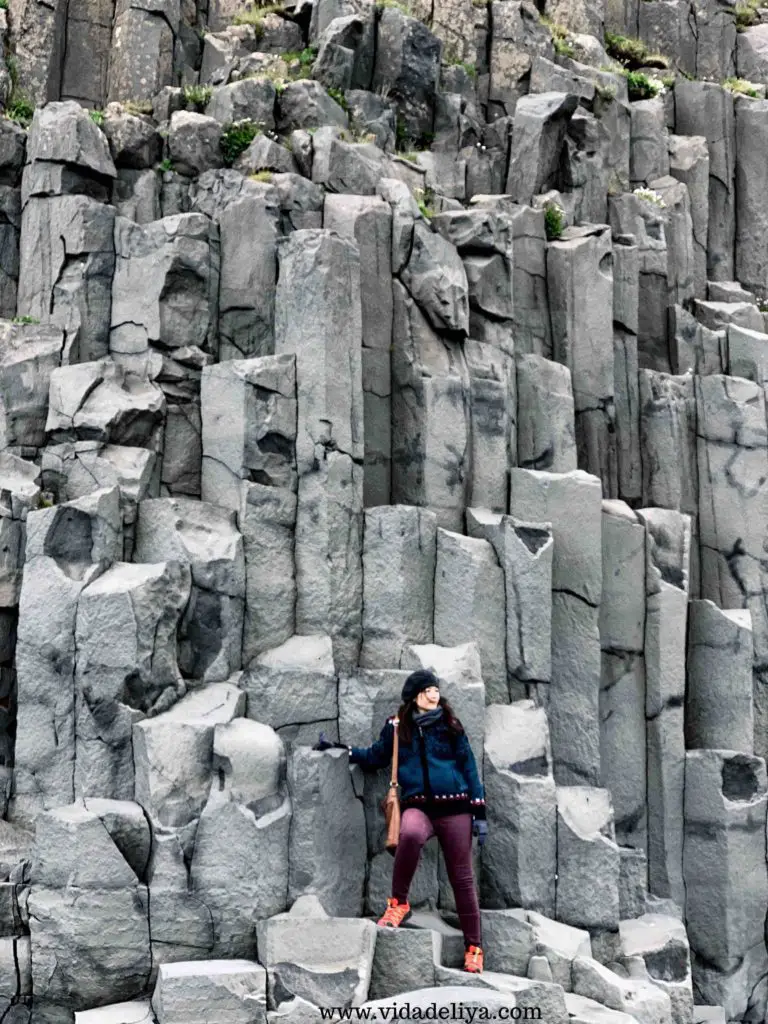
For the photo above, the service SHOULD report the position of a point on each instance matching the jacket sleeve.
(468, 768)
(379, 754)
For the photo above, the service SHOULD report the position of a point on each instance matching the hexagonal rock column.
(545, 418)
(327, 852)
(470, 605)
(235, 990)
(206, 538)
(29, 353)
(668, 539)
(520, 867)
(318, 318)
(141, 61)
(399, 552)
(571, 502)
(524, 551)
(718, 696)
(707, 109)
(239, 867)
(647, 222)
(726, 883)
(88, 908)
(68, 546)
(173, 752)
(733, 475)
(293, 688)
(668, 425)
(430, 414)
(654, 948)
(126, 664)
(165, 289)
(324, 960)
(249, 466)
(580, 283)
(587, 859)
(19, 494)
(622, 676)
(368, 221)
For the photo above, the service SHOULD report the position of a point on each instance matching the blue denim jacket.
(436, 770)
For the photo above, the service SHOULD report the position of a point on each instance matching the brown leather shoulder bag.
(391, 803)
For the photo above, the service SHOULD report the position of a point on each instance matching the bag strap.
(395, 750)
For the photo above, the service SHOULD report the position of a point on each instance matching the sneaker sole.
(409, 914)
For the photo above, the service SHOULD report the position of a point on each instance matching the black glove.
(323, 744)
(480, 829)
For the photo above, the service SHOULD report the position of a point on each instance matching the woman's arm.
(468, 768)
(379, 754)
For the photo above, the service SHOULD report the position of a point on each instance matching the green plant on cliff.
(263, 176)
(97, 116)
(255, 17)
(745, 14)
(560, 36)
(25, 320)
(337, 95)
(3, 5)
(640, 86)
(741, 87)
(20, 110)
(424, 198)
(554, 221)
(236, 138)
(197, 96)
(138, 107)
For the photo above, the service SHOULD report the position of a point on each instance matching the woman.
(441, 794)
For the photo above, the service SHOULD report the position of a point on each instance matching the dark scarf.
(427, 718)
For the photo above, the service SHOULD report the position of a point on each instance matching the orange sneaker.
(395, 913)
(473, 960)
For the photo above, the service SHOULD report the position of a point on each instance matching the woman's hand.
(480, 829)
(323, 744)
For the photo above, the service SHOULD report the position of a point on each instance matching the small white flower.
(650, 195)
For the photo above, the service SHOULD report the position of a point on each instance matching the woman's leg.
(454, 833)
(415, 830)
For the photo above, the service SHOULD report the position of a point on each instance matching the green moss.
(741, 87)
(265, 176)
(469, 69)
(255, 17)
(97, 116)
(397, 4)
(197, 96)
(166, 165)
(137, 107)
(3, 5)
(25, 320)
(338, 96)
(554, 221)
(639, 86)
(236, 138)
(424, 198)
(745, 14)
(633, 53)
(560, 37)
(19, 110)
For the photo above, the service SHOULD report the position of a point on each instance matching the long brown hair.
(406, 712)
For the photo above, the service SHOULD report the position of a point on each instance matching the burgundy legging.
(454, 833)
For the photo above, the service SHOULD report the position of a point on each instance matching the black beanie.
(418, 681)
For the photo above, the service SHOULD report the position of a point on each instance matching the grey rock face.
(408, 65)
(67, 259)
(518, 36)
(141, 61)
(322, 324)
(703, 108)
(751, 264)
(165, 287)
(580, 285)
(540, 125)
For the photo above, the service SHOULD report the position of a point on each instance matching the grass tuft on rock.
(236, 138)
(554, 221)
(197, 96)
